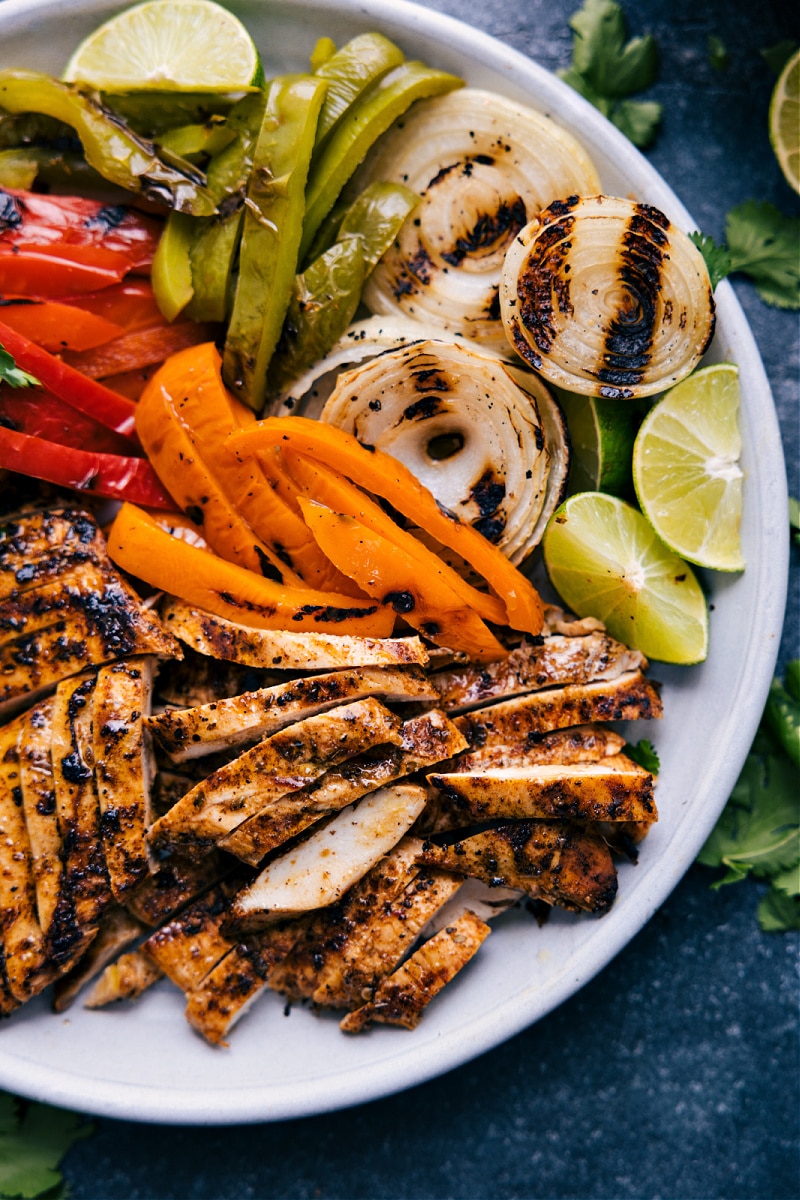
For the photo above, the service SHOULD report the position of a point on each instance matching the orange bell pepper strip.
(140, 546)
(57, 327)
(327, 486)
(189, 388)
(387, 477)
(397, 577)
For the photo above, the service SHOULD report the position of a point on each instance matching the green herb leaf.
(782, 718)
(778, 55)
(794, 520)
(717, 258)
(606, 69)
(718, 55)
(779, 913)
(33, 1140)
(13, 375)
(645, 754)
(763, 245)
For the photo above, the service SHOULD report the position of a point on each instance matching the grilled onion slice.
(484, 167)
(606, 297)
(487, 440)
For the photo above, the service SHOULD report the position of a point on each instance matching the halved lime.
(784, 121)
(605, 561)
(686, 468)
(602, 433)
(168, 45)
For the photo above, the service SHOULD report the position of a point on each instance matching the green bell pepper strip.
(327, 294)
(22, 166)
(151, 113)
(110, 146)
(208, 139)
(171, 272)
(271, 232)
(382, 103)
(349, 72)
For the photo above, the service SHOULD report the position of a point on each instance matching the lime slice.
(686, 468)
(784, 121)
(605, 561)
(602, 434)
(168, 45)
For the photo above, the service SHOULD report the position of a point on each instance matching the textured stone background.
(674, 1073)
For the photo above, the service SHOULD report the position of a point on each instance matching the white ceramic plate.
(145, 1063)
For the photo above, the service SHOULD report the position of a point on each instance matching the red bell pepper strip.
(57, 327)
(86, 395)
(37, 271)
(34, 219)
(38, 413)
(115, 476)
(131, 304)
(139, 348)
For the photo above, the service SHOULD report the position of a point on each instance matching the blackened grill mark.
(422, 410)
(488, 493)
(489, 229)
(195, 513)
(491, 527)
(535, 288)
(431, 379)
(268, 569)
(401, 602)
(10, 215)
(629, 336)
(107, 218)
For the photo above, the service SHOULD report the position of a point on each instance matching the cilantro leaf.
(717, 258)
(606, 69)
(763, 244)
(33, 1140)
(13, 375)
(782, 718)
(779, 913)
(644, 753)
(718, 56)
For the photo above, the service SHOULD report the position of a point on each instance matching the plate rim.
(189, 1106)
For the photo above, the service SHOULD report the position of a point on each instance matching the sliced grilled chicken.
(615, 789)
(317, 872)
(284, 650)
(548, 661)
(117, 930)
(123, 768)
(555, 861)
(558, 621)
(176, 882)
(39, 807)
(284, 762)
(222, 724)
(402, 998)
(351, 946)
(629, 697)
(425, 741)
(198, 679)
(8, 1001)
(39, 546)
(191, 944)
(581, 743)
(125, 979)
(72, 749)
(230, 989)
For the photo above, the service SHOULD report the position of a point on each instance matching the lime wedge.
(686, 468)
(605, 561)
(168, 45)
(784, 121)
(602, 433)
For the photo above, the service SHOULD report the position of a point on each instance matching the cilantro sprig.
(760, 242)
(33, 1140)
(758, 833)
(607, 69)
(13, 375)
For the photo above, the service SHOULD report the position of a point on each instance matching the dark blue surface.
(674, 1073)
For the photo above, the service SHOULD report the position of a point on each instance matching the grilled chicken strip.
(231, 987)
(425, 741)
(581, 743)
(117, 930)
(222, 724)
(629, 697)
(349, 947)
(39, 546)
(72, 749)
(548, 661)
(39, 806)
(318, 871)
(124, 768)
(614, 789)
(402, 998)
(555, 861)
(125, 979)
(197, 679)
(176, 882)
(284, 650)
(284, 762)
(191, 944)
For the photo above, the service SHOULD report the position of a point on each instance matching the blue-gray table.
(674, 1073)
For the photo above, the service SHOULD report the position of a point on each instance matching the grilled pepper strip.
(139, 545)
(271, 234)
(87, 395)
(115, 476)
(370, 116)
(349, 72)
(387, 477)
(110, 146)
